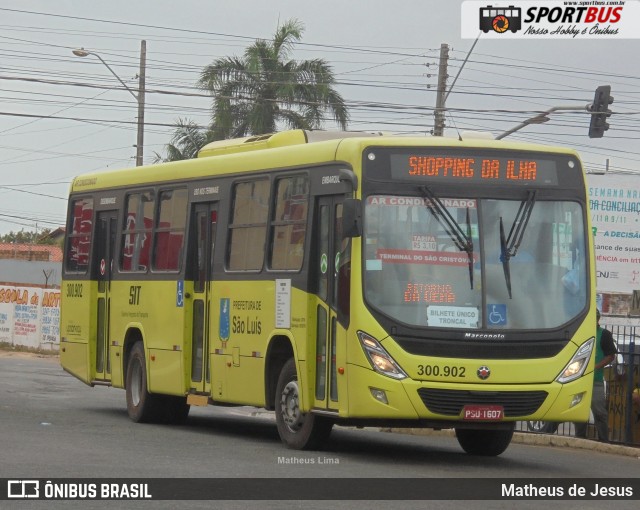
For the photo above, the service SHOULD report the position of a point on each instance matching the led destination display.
(474, 169)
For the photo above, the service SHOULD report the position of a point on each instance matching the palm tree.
(256, 93)
(264, 89)
(188, 138)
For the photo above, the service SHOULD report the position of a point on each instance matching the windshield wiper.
(509, 246)
(463, 240)
(504, 258)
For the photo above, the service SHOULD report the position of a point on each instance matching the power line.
(11, 188)
(203, 32)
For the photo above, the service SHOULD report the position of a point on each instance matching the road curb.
(538, 440)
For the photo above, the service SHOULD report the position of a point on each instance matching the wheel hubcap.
(290, 407)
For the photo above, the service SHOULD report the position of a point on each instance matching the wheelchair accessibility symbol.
(180, 294)
(497, 315)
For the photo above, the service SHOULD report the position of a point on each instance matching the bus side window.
(248, 228)
(79, 238)
(169, 233)
(136, 231)
(289, 223)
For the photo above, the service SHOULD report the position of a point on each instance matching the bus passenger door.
(328, 329)
(202, 242)
(102, 267)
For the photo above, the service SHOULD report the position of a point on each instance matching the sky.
(63, 115)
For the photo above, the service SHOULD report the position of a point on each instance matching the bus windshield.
(495, 263)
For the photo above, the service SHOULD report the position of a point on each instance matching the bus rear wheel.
(142, 406)
(297, 430)
(488, 443)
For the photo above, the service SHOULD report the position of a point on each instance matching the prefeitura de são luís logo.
(500, 19)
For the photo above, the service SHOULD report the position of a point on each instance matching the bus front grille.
(451, 402)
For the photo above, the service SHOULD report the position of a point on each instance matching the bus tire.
(542, 427)
(488, 443)
(297, 430)
(142, 406)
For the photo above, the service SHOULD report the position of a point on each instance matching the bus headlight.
(578, 364)
(381, 361)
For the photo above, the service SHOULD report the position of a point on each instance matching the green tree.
(260, 93)
(265, 90)
(28, 237)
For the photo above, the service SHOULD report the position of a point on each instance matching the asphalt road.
(52, 426)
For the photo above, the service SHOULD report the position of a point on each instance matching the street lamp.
(543, 117)
(139, 97)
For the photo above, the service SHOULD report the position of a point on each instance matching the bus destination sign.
(474, 169)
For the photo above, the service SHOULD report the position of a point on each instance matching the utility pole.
(438, 128)
(140, 97)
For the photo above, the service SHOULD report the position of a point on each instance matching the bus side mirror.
(351, 218)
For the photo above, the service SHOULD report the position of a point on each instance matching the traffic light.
(600, 111)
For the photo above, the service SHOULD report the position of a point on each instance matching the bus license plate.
(480, 413)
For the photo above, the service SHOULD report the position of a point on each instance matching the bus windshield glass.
(437, 261)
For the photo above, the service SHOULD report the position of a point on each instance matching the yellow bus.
(338, 280)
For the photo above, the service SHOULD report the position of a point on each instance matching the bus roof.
(286, 149)
(275, 140)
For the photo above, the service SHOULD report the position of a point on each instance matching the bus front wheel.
(297, 430)
(542, 427)
(484, 442)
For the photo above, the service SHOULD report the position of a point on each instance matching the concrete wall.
(31, 272)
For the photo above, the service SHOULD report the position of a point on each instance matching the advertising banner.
(6, 316)
(30, 317)
(614, 200)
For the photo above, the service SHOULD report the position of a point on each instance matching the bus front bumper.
(371, 395)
